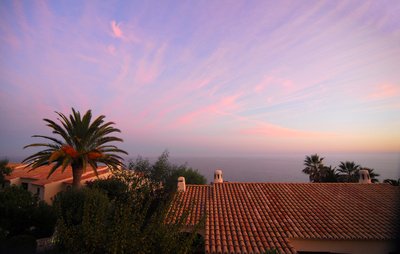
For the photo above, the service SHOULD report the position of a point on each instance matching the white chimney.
(181, 184)
(364, 176)
(218, 176)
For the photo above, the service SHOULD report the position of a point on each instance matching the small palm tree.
(314, 168)
(392, 182)
(331, 175)
(349, 172)
(82, 143)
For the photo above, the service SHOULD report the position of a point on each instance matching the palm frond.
(80, 137)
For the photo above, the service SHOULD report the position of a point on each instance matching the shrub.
(102, 223)
(21, 212)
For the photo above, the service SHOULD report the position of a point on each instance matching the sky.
(205, 78)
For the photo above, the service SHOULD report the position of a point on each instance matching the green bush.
(82, 220)
(102, 223)
(114, 187)
(69, 204)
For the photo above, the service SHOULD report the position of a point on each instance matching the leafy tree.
(192, 176)
(392, 181)
(4, 170)
(82, 143)
(314, 168)
(165, 173)
(114, 187)
(90, 221)
(349, 172)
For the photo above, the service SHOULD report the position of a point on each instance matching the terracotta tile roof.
(40, 174)
(195, 197)
(254, 217)
(90, 174)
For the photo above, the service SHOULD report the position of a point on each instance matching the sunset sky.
(206, 77)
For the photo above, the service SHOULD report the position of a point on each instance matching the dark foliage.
(347, 172)
(166, 173)
(22, 213)
(111, 218)
(392, 182)
(4, 170)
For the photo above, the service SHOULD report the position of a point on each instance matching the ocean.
(278, 168)
(285, 168)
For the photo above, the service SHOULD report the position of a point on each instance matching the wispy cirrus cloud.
(385, 91)
(269, 130)
(126, 35)
(117, 32)
(197, 117)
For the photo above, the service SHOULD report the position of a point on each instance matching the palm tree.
(314, 168)
(82, 142)
(349, 172)
(331, 175)
(372, 175)
(392, 182)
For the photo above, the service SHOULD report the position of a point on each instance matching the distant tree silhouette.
(349, 172)
(392, 181)
(330, 175)
(314, 168)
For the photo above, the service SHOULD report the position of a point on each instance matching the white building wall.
(51, 189)
(345, 246)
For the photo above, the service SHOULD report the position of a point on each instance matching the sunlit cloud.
(387, 90)
(262, 85)
(224, 105)
(268, 130)
(117, 32)
(205, 82)
(111, 49)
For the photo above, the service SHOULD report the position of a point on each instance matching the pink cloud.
(225, 104)
(269, 130)
(213, 91)
(263, 84)
(287, 83)
(385, 91)
(150, 69)
(205, 82)
(116, 29)
(126, 35)
(145, 74)
(111, 49)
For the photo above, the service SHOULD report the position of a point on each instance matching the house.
(36, 181)
(293, 217)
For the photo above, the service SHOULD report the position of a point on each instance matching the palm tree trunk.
(76, 176)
